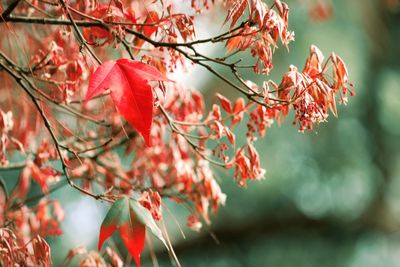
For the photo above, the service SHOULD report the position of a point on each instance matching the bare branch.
(6, 14)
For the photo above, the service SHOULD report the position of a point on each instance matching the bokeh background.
(331, 197)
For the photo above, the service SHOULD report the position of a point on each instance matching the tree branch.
(78, 32)
(6, 14)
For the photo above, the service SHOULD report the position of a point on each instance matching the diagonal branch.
(6, 14)
(78, 32)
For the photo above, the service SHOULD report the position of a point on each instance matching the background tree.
(89, 100)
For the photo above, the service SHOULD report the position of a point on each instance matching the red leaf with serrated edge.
(132, 95)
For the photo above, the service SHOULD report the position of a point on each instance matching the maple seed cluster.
(91, 105)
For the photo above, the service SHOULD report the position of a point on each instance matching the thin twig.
(49, 128)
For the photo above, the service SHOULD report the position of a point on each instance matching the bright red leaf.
(128, 81)
(130, 219)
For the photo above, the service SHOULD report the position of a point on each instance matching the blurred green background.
(332, 196)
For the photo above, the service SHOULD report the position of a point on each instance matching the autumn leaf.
(41, 251)
(225, 103)
(132, 95)
(152, 18)
(260, 9)
(131, 219)
(97, 35)
(237, 9)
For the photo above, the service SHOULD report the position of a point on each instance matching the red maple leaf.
(130, 219)
(132, 95)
